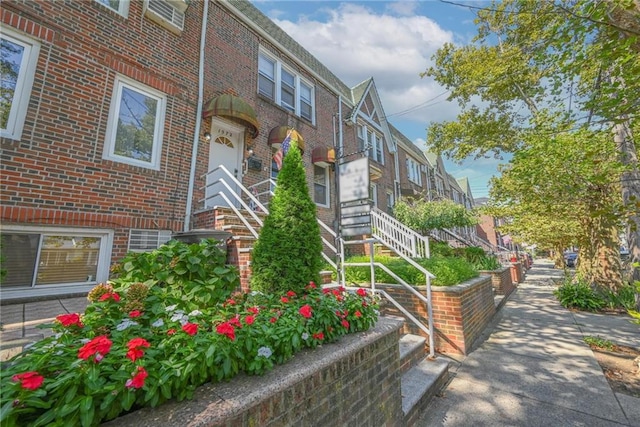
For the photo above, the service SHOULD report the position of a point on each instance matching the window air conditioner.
(167, 13)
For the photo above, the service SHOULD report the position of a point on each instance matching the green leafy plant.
(288, 251)
(578, 295)
(488, 263)
(599, 343)
(625, 297)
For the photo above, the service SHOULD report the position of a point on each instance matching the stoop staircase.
(422, 377)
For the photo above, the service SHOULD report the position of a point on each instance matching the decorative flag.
(282, 151)
(506, 239)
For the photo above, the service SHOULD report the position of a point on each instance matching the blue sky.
(393, 42)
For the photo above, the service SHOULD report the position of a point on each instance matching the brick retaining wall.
(460, 313)
(501, 280)
(354, 382)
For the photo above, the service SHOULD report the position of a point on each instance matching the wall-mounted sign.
(354, 180)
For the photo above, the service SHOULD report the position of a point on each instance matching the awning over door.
(235, 109)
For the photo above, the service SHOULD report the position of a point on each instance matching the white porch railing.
(398, 236)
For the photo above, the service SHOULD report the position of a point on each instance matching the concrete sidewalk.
(534, 369)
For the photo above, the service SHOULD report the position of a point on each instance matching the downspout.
(196, 135)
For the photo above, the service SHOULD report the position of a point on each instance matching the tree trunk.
(599, 261)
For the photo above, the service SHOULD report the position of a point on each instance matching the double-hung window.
(413, 171)
(367, 138)
(19, 56)
(135, 127)
(285, 88)
(321, 185)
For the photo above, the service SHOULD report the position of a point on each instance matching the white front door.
(226, 148)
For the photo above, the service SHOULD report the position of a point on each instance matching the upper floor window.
(18, 59)
(321, 185)
(440, 186)
(373, 194)
(413, 171)
(369, 139)
(390, 201)
(120, 6)
(285, 87)
(136, 122)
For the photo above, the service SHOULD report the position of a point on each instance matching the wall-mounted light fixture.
(207, 136)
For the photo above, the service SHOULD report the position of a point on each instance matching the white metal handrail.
(394, 233)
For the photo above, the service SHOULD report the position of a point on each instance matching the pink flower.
(138, 379)
(291, 294)
(29, 380)
(72, 319)
(362, 292)
(249, 320)
(190, 328)
(311, 285)
(273, 320)
(235, 322)
(135, 313)
(227, 329)
(135, 348)
(326, 291)
(99, 346)
(254, 310)
(171, 331)
(110, 295)
(305, 311)
(230, 301)
(345, 324)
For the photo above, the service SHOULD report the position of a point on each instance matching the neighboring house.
(96, 144)
(414, 170)
(439, 182)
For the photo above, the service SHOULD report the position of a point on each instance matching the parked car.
(570, 259)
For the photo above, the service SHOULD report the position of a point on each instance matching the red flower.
(227, 329)
(249, 320)
(362, 292)
(29, 380)
(99, 346)
(135, 348)
(326, 291)
(171, 331)
(72, 319)
(291, 294)
(273, 320)
(358, 314)
(110, 295)
(230, 301)
(341, 288)
(235, 322)
(135, 313)
(138, 379)
(345, 324)
(319, 336)
(190, 328)
(254, 310)
(311, 285)
(305, 310)
(284, 300)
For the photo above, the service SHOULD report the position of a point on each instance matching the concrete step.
(412, 351)
(420, 384)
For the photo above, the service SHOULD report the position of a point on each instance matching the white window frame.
(327, 187)
(104, 257)
(369, 137)
(413, 171)
(123, 7)
(390, 200)
(160, 236)
(121, 83)
(277, 81)
(373, 194)
(24, 83)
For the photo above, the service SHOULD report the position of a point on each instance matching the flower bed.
(141, 344)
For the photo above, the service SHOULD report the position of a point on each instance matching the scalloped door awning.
(279, 133)
(233, 108)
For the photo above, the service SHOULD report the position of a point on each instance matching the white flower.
(305, 336)
(158, 323)
(171, 307)
(85, 340)
(58, 335)
(125, 324)
(184, 320)
(195, 313)
(265, 352)
(178, 316)
(254, 293)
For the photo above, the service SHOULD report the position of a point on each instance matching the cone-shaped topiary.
(287, 254)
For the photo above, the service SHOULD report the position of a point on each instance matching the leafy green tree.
(423, 215)
(287, 254)
(545, 68)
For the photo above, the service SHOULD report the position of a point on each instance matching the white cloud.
(394, 52)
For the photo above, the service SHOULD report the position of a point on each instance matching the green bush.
(624, 298)
(488, 263)
(287, 254)
(196, 274)
(448, 271)
(578, 295)
(441, 249)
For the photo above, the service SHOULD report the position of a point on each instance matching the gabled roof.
(407, 144)
(296, 52)
(453, 182)
(360, 93)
